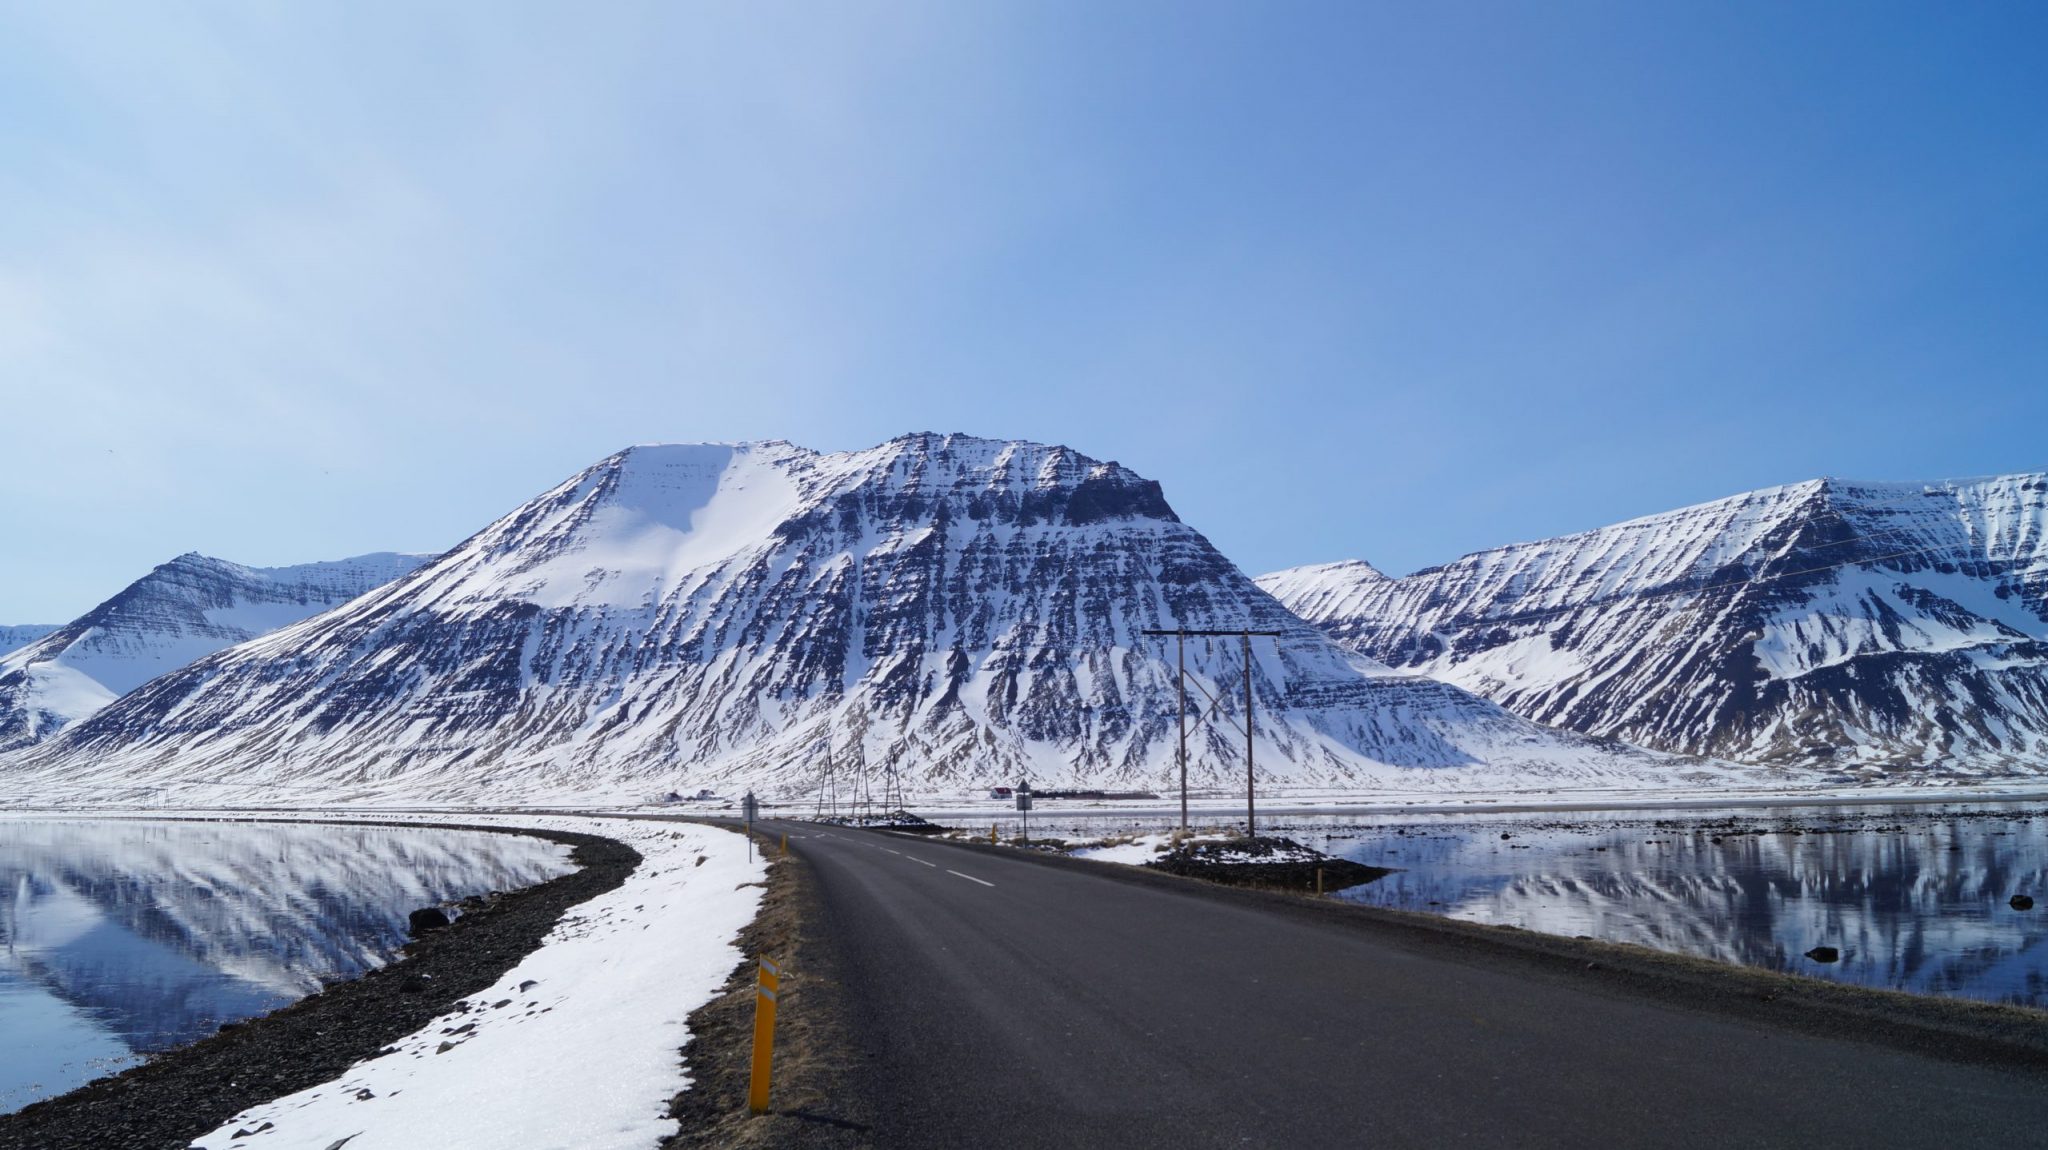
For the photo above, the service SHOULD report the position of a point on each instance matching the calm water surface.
(118, 939)
(1914, 897)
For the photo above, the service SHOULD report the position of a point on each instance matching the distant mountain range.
(1861, 630)
(23, 634)
(954, 611)
(184, 609)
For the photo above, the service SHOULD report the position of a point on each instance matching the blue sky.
(1394, 281)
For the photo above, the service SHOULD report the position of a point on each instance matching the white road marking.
(915, 859)
(971, 878)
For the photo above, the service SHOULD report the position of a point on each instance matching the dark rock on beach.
(425, 919)
(1824, 954)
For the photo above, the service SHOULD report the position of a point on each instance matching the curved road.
(1004, 1002)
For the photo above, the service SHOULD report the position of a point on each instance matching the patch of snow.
(1142, 849)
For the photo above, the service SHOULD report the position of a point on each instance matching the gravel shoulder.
(813, 1104)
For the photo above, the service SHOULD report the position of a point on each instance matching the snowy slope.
(21, 635)
(1868, 627)
(1324, 590)
(183, 610)
(953, 610)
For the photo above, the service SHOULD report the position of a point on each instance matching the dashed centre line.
(915, 859)
(971, 878)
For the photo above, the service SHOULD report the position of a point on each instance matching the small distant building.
(1000, 792)
(700, 797)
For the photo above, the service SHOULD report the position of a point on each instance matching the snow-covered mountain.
(954, 610)
(1324, 591)
(22, 634)
(187, 608)
(1863, 627)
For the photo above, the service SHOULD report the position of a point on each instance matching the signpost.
(750, 807)
(1024, 808)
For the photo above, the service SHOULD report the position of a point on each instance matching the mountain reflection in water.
(1914, 898)
(120, 938)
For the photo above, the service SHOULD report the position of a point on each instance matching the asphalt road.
(1000, 1002)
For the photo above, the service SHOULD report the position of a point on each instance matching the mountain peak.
(949, 608)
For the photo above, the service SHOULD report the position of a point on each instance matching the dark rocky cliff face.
(952, 609)
(1856, 628)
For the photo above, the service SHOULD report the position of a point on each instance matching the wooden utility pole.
(1180, 635)
(1180, 648)
(1250, 788)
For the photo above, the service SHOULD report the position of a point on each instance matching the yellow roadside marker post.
(991, 832)
(764, 1034)
(785, 844)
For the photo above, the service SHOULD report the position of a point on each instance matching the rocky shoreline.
(184, 1093)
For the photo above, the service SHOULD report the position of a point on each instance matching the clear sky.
(282, 282)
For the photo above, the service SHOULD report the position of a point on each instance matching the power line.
(1244, 634)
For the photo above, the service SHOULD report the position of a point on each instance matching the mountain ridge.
(1862, 627)
(957, 610)
(18, 635)
(182, 610)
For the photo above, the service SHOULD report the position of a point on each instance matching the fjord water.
(121, 938)
(1913, 897)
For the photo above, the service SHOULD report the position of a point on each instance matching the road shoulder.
(814, 1102)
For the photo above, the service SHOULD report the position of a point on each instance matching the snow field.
(576, 1046)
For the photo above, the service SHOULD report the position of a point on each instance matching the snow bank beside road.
(575, 1047)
